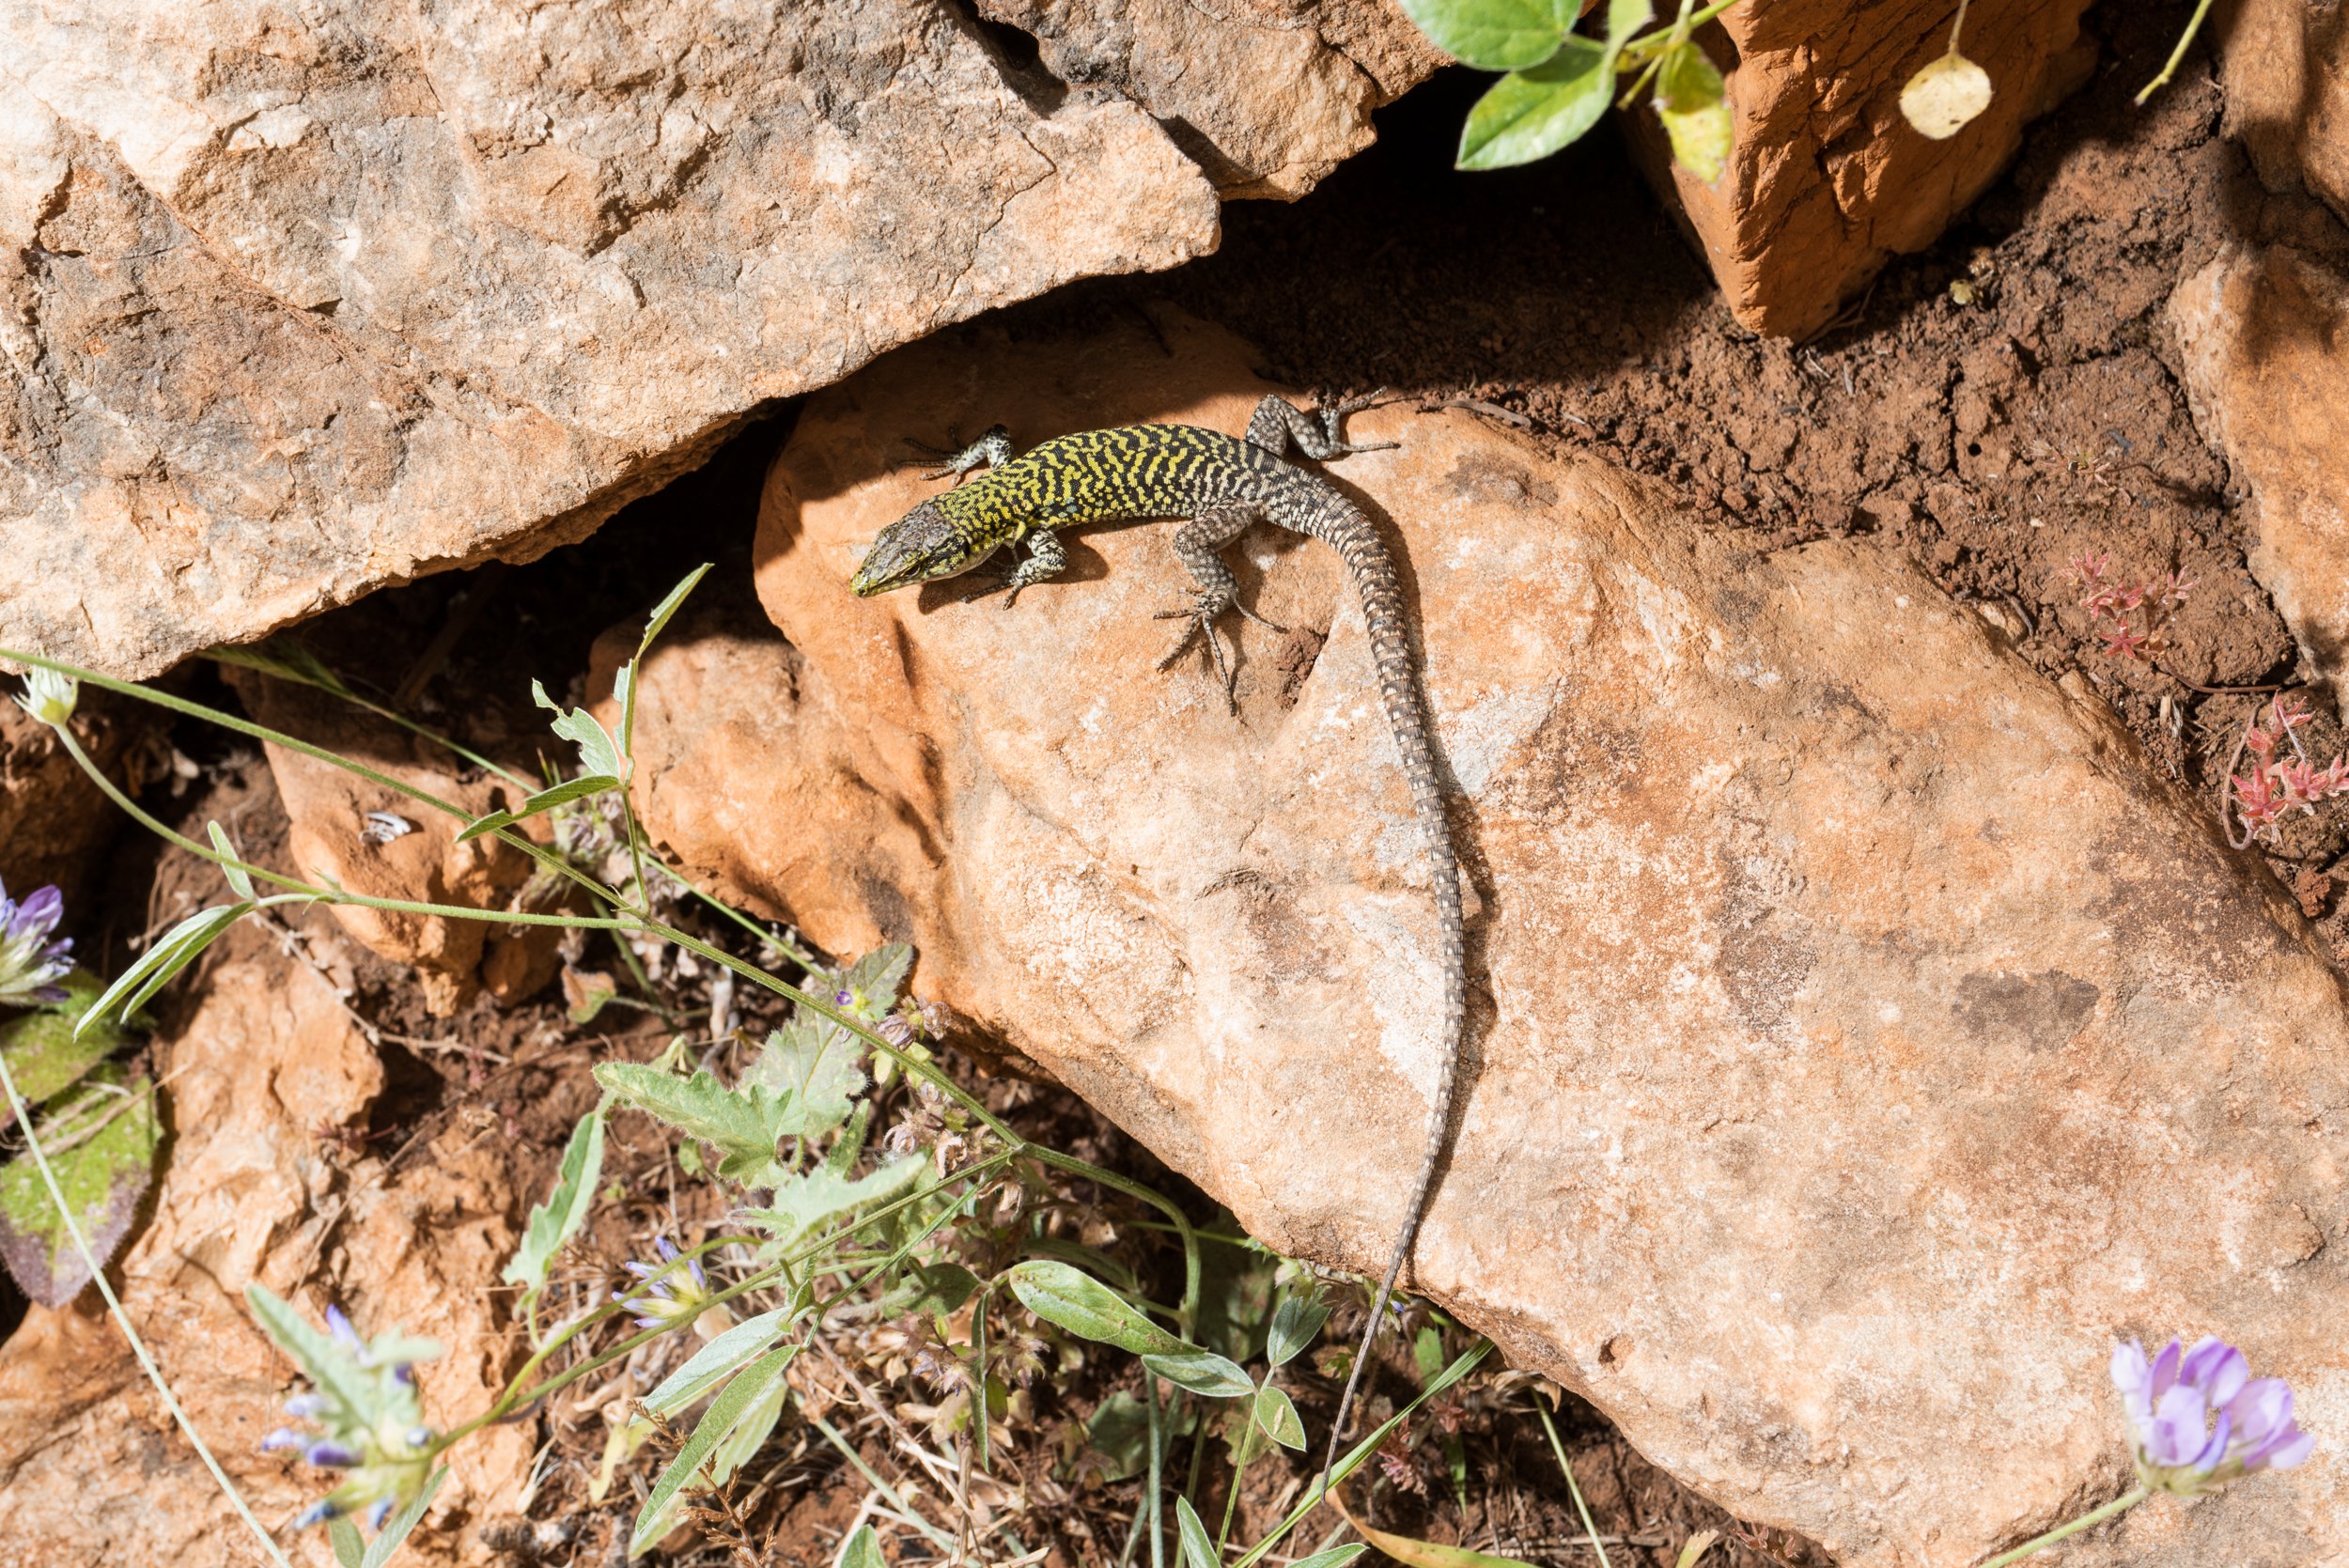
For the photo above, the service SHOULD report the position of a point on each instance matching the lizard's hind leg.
(1279, 424)
(1196, 543)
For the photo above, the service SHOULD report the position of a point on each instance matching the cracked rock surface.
(302, 302)
(1863, 1038)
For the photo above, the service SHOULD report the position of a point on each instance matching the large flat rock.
(1863, 1037)
(300, 303)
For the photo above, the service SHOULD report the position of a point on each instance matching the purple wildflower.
(669, 1294)
(2171, 1399)
(366, 1400)
(30, 960)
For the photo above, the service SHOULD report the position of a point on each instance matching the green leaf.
(350, 1547)
(598, 753)
(175, 950)
(546, 799)
(1276, 1417)
(872, 982)
(1089, 1308)
(239, 882)
(1428, 1352)
(1203, 1371)
(1295, 1322)
(713, 1363)
(742, 1124)
(1531, 114)
(364, 1389)
(397, 1529)
(1689, 97)
(749, 1391)
(804, 1201)
(815, 1067)
(284, 659)
(861, 1550)
(1493, 35)
(554, 1222)
(1695, 1547)
(1119, 1430)
(46, 1053)
(1336, 1557)
(101, 1149)
(932, 1290)
(1198, 1546)
(1089, 1260)
(624, 686)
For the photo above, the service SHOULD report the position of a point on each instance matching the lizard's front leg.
(1046, 557)
(992, 448)
(1196, 543)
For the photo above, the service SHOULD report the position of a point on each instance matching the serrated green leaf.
(104, 1168)
(814, 1068)
(175, 950)
(1203, 1371)
(747, 1390)
(239, 882)
(1088, 1308)
(598, 753)
(1275, 1415)
(861, 1550)
(713, 1363)
(742, 1124)
(1688, 99)
(1531, 114)
(872, 982)
(546, 799)
(1493, 35)
(397, 1529)
(45, 1053)
(805, 1201)
(554, 1222)
(1198, 1546)
(1295, 1322)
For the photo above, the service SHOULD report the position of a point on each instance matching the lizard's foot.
(956, 459)
(1333, 417)
(1201, 615)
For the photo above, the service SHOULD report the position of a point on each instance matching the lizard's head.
(921, 545)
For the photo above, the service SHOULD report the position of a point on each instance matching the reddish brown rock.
(1864, 1038)
(2285, 70)
(53, 821)
(264, 1066)
(2264, 336)
(1827, 182)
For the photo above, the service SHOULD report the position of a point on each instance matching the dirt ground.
(1997, 407)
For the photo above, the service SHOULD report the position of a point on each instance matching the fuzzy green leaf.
(814, 1068)
(861, 1550)
(554, 1222)
(239, 881)
(1198, 1546)
(46, 1053)
(397, 1529)
(1089, 1309)
(1295, 1322)
(350, 1547)
(598, 753)
(743, 1397)
(1336, 1557)
(546, 799)
(932, 1290)
(742, 1124)
(173, 952)
(1203, 1371)
(713, 1363)
(803, 1203)
(1275, 1416)
(101, 1148)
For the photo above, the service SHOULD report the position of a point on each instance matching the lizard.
(1220, 484)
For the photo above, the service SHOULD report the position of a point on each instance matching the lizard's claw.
(1201, 618)
(1332, 416)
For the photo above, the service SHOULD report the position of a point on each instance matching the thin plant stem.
(1240, 1473)
(930, 1533)
(2177, 56)
(1958, 26)
(122, 1319)
(2121, 1504)
(1580, 1506)
(1158, 1466)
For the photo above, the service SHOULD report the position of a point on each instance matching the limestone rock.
(302, 303)
(2263, 336)
(2285, 70)
(92, 1467)
(1827, 182)
(1267, 95)
(374, 841)
(1863, 1037)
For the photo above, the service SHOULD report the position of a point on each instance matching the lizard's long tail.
(1403, 696)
